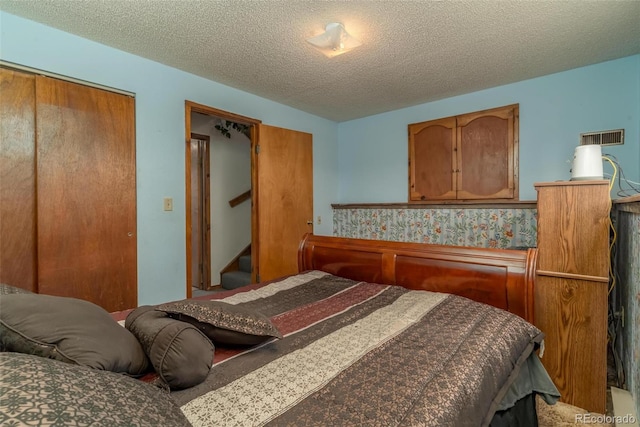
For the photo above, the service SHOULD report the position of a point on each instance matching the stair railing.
(241, 198)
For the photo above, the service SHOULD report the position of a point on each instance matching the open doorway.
(281, 194)
(218, 194)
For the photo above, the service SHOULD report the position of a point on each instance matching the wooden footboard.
(503, 278)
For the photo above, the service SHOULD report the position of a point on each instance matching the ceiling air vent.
(607, 137)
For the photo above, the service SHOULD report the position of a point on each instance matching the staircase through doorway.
(236, 278)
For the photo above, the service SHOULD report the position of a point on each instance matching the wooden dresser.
(572, 287)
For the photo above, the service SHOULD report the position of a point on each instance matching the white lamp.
(334, 41)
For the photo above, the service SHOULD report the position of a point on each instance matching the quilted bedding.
(356, 353)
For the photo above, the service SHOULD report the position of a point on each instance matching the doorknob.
(309, 222)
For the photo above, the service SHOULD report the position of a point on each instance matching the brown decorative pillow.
(180, 354)
(223, 322)
(39, 391)
(70, 330)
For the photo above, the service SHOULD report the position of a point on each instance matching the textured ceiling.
(412, 51)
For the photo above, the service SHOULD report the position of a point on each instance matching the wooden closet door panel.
(17, 180)
(432, 147)
(86, 194)
(485, 155)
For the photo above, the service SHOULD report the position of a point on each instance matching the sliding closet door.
(86, 204)
(17, 180)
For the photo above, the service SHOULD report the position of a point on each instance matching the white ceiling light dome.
(334, 41)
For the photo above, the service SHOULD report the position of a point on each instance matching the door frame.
(193, 107)
(203, 167)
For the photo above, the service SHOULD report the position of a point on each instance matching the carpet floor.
(561, 415)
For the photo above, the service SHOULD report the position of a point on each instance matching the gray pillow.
(39, 391)
(8, 289)
(181, 355)
(70, 330)
(223, 322)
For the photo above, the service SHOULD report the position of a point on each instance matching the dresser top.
(572, 183)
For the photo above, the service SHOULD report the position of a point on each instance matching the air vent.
(607, 137)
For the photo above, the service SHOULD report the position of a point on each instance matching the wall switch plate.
(319, 221)
(168, 204)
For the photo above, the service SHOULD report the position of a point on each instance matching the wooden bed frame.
(503, 278)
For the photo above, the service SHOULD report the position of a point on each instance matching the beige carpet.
(561, 415)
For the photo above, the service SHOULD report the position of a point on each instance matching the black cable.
(614, 318)
(622, 192)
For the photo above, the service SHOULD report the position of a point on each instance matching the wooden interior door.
(86, 200)
(283, 199)
(17, 180)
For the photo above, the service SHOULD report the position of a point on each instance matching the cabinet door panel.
(432, 147)
(17, 180)
(485, 156)
(574, 228)
(468, 157)
(86, 194)
(573, 316)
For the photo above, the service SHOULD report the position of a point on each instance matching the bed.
(367, 333)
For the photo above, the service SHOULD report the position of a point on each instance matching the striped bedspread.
(362, 354)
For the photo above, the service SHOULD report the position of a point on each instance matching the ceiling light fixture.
(334, 41)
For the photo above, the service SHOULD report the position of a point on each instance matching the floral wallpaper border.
(484, 227)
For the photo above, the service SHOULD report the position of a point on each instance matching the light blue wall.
(362, 160)
(554, 110)
(160, 93)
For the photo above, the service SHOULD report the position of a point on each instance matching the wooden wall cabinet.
(68, 190)
(572, 286)
(468, 157)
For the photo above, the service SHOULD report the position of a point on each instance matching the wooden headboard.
(503, 278)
